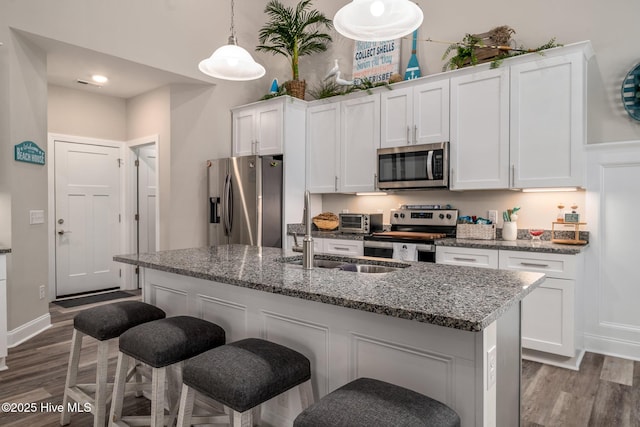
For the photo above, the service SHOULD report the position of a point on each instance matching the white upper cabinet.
(342, 138)
(548, 122)
(415, 115)
(521, 125)
(258, 128)
(323, 147)
(360, 138)
(479, 149)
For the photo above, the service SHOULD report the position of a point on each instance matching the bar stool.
(367, 402)
(243, 375)
(161, 344)
(103, 323)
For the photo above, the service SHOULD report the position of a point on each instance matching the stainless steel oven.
(413, 166)
(414, 229)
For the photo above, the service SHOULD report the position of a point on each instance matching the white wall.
(27, 120)
(538, 210)
(80, 113)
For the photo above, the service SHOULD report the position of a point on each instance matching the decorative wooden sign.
(29, 152)
(375, 61)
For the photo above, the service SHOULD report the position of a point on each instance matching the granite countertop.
(466, 298)
(5, 250)
(514, 245)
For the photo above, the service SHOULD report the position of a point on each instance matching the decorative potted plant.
(294, 33)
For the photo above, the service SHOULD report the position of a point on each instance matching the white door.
(146, 199)
(87, 217)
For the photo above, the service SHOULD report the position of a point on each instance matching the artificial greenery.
(294, 32)
(329, 88)
(465, 52)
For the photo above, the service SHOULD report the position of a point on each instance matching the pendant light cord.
(232, 29)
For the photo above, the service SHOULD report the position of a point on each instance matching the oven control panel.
(435, 217)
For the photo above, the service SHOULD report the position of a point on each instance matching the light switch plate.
(36, 217)
(493, 216)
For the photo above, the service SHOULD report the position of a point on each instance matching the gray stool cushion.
(171, 340)
(246, 373)
(111, 320)
(367, 402)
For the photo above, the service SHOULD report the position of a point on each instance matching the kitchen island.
(450, 332)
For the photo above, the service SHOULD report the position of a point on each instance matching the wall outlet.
(491, 367)
(42, 292)
(493, 216)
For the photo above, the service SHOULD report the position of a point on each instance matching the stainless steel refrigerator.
(245, 201)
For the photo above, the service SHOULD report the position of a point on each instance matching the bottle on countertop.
(560, 217)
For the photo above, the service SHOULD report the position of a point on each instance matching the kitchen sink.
(349, 265)
(319, 263)
(367, 268)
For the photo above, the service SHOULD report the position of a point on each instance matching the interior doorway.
(143, 200)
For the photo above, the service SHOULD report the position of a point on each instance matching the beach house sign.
(29, 152)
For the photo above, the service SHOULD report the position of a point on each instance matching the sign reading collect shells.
(375, 61)
(29, 152)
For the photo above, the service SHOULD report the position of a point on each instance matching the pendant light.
(377, 20)
(231, 62)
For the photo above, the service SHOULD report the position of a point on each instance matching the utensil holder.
(509, 230)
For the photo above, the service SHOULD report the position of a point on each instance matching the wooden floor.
(605, 392)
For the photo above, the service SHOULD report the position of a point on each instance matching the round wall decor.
(631, 92)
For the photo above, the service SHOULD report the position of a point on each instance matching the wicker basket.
(326, 225)
(476, 231)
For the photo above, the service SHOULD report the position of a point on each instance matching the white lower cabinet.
(338, 246)
(550, 318)
(485, 258)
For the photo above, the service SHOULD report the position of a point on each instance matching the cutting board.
(411, 234)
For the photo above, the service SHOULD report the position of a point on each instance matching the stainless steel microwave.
(413, 166)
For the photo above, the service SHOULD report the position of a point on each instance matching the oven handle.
(389, 245)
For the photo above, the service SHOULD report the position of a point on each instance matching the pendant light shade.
(231, 62)
(377, 20)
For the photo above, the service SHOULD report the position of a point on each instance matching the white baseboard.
(572, 363)
(612, 346)
(29, 330)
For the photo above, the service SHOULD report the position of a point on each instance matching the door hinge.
(136, 217)
(119, 162)
(137, 270)
(119, 217)
(120, 272)
(137, 163)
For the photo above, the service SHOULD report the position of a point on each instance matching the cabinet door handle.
(257, 142)
(456, 258)
(415, 134)
(336, 182)
(513, 175)
(533, 264)
(340, 248)
(408, 133)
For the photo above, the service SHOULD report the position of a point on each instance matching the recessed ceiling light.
(99, 79)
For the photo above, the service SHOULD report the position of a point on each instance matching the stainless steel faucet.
(307, 242)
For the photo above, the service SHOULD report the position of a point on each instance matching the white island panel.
(343, 344)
